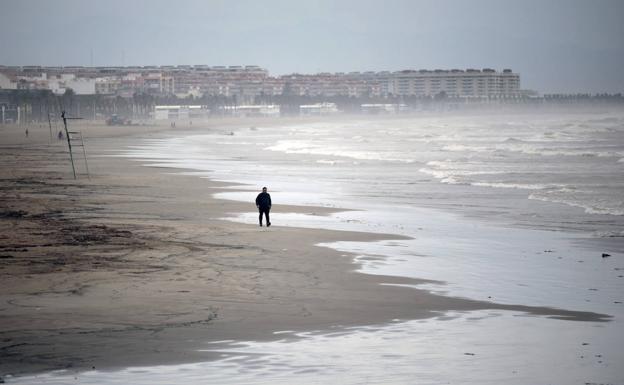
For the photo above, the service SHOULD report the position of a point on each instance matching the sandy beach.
(135, 267)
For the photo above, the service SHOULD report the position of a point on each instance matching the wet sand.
(133, 267)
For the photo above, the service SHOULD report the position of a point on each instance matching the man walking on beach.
(263, 203)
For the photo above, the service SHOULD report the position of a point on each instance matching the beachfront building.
(108, 85)
(59, 84)
(251, 110)
(159, 84)
(8, 110)
(243, 82)
(252, 84)
(181, 112)
(8, 113)
(383, 108)
(318, 109)
(326, 84)
(7, 82)
(455, 83)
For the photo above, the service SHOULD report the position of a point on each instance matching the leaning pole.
(71, 156)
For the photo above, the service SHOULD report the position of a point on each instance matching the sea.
(522, 208)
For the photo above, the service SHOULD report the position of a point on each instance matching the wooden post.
(49, 121)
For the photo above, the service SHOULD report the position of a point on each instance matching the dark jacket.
(263, 200)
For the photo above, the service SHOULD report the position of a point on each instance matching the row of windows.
(480, 80)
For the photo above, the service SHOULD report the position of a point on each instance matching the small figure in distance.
(263, 203)
(26, 132)
(60, 135)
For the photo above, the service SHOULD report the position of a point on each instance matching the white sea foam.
(325, 161)
(590, 207)
(454, 176)
(445, 173)
(304, 147)
(466, 148)
(522, 186)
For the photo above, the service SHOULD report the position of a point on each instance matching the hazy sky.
(556, 45)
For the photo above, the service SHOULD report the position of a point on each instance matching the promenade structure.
(246, 83)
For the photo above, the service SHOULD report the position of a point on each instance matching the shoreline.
(174, 277)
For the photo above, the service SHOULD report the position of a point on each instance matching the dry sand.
(133, 267)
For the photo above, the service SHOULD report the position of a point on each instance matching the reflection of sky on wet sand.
(474, 259)
(464, 348)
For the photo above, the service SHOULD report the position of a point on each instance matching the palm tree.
(68, 100)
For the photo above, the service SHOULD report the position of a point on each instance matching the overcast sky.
(556, 45)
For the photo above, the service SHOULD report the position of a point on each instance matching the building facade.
(246, 83)
(455, 83)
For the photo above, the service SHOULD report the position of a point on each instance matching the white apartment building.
(81, 86)
(458, 83)
(7, 82)
(108, 85)
(159, 83)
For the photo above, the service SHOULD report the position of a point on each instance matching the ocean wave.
(609, 234)
(448, 173)
(440, 174)
(304, 147)
(525, 147)
(289, 145)
(453, 180)
(446, 164)
(228, 143)
(465, 148)
(521, 186)
(589, 207)
(543, 151)
(466, 167)
(608, 119)
(560, 136)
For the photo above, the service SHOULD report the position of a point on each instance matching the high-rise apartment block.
(246, 83)
(460, 83)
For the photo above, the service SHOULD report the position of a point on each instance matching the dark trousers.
(264, 211)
